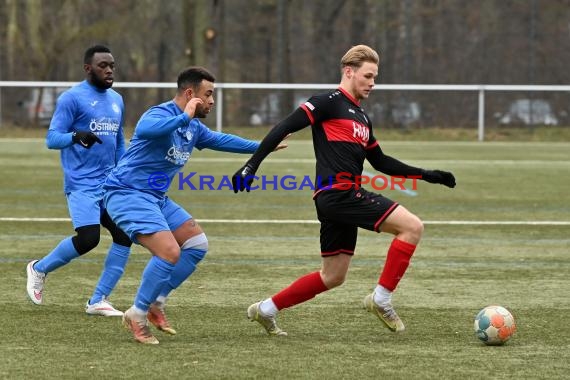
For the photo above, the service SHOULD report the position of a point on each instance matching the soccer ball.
(494, 325)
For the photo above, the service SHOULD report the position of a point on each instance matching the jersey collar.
(350, 97)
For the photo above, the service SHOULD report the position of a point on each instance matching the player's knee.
(416, 228)
(170, 253)
(198, 243)
(332, 280)
(86, 239)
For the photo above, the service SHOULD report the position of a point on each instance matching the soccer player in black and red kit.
(343, 139)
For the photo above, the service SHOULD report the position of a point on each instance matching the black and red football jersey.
(342, 132)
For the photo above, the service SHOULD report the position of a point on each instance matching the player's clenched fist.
(85, 138)
(190, 108)
(439, 176)
(243, 178)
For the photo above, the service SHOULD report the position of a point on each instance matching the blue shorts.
(136, 212)
(85, 206)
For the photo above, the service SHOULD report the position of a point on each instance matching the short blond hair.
(357, 55)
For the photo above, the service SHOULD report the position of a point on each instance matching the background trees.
(294, 41)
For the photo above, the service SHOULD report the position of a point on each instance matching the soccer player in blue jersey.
(87, 128)
(136, 198)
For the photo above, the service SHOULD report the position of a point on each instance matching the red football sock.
(397, 261)
(303, 289)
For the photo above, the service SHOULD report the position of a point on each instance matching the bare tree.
(420, 41)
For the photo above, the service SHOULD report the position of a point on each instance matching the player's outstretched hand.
(243, 178)
(439, 176)
(85, 138)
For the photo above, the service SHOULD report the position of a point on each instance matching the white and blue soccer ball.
(494, 325)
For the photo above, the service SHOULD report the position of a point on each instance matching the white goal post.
(220, 87)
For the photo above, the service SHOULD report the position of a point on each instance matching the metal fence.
(523, 109)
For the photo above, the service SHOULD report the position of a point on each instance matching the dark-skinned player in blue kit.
(87, 128)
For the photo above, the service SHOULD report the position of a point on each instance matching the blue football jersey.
(162, 144)
(85, 107)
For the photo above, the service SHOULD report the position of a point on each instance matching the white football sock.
(268, 308)
(160, 300)
(382, 296)
(138, 312)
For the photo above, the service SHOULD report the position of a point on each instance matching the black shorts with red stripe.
(341, 212)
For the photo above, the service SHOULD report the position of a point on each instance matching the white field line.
(305, 221)
(395, 143)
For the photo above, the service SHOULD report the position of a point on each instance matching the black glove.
(85, 139)
(439, 176)
(243, 178)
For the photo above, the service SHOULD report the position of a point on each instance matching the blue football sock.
(61, 255)
(154, 277)
(113, 269)
(185, 266)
